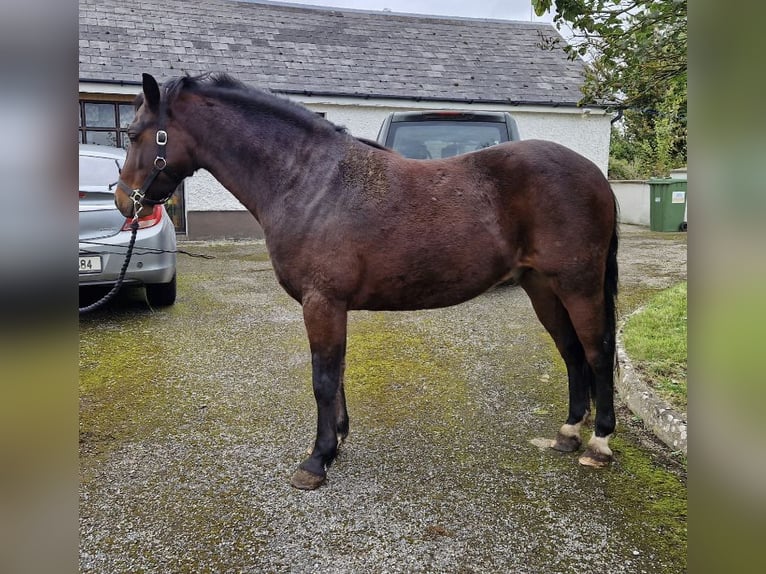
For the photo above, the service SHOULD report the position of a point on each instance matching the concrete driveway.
(193, 419)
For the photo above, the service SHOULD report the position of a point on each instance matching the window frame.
(121, 133)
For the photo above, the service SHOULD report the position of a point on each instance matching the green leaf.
(541, 6)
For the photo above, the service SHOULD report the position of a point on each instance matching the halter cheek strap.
(138, 195)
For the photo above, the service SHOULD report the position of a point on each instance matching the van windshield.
(440, 139)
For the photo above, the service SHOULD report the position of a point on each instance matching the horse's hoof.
(305, 480)
(595, 459)
(564, 443)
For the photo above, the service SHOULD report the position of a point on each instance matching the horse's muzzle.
(124, 204)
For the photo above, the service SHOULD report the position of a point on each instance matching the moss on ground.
(657, 511)
(393, 370)
(123, 395)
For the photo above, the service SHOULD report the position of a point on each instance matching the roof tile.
(341, 52)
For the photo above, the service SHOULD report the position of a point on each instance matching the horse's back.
(547, 165)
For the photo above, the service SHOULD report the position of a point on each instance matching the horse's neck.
(257, 162)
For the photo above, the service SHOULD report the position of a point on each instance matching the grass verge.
(655, 339)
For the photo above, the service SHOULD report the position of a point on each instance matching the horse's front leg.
(326, 328)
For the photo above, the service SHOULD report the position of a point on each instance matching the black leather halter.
(138, 195)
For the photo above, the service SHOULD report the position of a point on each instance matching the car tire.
(161, 294)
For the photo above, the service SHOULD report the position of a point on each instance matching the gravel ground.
(193, 419)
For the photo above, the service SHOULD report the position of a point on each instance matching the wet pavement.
(194, 417)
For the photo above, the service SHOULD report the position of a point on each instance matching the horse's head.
(158, 156)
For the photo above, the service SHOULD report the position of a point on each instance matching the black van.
(444, 133)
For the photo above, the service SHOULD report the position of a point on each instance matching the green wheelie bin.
(667, 211)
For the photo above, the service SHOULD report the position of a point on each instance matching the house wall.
(633, 199)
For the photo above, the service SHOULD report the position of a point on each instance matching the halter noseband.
(138, 195)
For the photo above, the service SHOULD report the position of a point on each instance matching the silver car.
(105, 233)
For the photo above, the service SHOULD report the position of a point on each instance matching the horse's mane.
(209, 80)
(247, 98)
(223, 86)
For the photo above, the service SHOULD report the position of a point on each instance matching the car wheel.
(161, 294)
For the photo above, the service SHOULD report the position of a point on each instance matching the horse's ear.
(151, 93)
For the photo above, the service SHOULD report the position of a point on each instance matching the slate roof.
(309, 50)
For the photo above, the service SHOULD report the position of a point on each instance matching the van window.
(440, 139)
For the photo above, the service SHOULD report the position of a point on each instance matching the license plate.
(90, 264)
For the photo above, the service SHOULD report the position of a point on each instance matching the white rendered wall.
(633, 199)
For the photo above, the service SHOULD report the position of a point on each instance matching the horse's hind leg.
(555, 318)
(589, 317)
(326, 328)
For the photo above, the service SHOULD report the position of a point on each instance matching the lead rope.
(109, 296)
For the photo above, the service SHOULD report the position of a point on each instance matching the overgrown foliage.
(636, 56)
(623, 156)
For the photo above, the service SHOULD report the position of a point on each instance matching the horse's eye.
(132, 136)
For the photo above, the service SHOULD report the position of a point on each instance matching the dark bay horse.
(350, 225)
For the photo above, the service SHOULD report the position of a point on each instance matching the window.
(439, 139)
(105, 122)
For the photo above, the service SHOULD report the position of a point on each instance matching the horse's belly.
(428, 286)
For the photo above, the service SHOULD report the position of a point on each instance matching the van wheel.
(161, 294)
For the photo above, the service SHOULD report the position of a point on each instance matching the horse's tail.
(611, 278)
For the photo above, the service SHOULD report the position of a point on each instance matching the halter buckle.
(162, 137)
(160, 162)
(136, 197)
